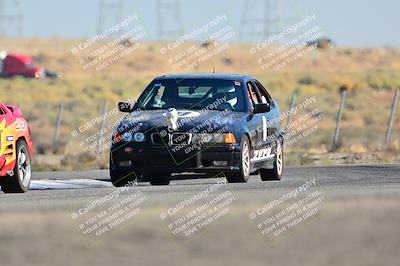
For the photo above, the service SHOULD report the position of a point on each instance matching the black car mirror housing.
(262, 108)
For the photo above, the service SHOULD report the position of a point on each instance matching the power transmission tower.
(11, 18)
(169, 19)
(262, 18)
(110, 14)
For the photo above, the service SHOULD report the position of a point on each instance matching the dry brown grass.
(370, 74)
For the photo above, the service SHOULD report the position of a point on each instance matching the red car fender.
(2, 161)
(12, 124)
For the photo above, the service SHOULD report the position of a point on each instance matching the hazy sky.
(359, 23)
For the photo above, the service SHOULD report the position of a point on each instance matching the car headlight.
(212, 138)
(127, 136)
(138, 137)
(218, 138)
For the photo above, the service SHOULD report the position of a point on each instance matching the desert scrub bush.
(382, 79)
(306, 80)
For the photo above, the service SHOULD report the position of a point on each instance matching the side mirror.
(262, 108)
(124, 107)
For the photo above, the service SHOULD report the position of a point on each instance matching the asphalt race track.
(357, 222)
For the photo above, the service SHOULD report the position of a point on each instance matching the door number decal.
(262, 155)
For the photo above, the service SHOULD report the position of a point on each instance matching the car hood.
(188, 120)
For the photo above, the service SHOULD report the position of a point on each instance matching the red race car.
(13, 64)
(15, 150)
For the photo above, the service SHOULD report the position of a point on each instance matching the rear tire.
(158, 178)
(276, 172)
(243, 175)
(21, 180)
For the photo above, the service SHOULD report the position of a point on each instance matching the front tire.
(21, 180)
(123, 178)
(243, 175)
(276, 172)
(158, 178)
(120, 178)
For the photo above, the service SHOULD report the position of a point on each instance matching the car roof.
(20, 57)
(222, 76)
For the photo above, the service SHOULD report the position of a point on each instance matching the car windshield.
(193, 94)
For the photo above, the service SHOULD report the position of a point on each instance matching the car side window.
(252, 94)
(265, 96)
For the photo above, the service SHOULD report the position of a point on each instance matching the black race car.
(221, 124)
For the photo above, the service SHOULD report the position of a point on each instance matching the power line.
(11, 18)
(110, 13)
(169, 19)
(262, 18)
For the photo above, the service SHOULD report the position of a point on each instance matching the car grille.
(158, 139)
(181, 138)
(172, 139)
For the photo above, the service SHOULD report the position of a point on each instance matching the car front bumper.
(222, 158)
